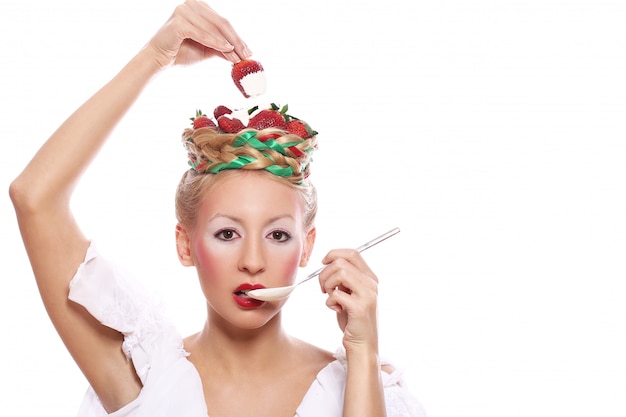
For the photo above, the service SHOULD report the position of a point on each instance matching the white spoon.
(273, 294)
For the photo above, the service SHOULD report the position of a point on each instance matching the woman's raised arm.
(41, 193)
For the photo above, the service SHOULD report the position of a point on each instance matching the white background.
(490, 132)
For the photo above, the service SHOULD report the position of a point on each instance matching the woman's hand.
(195, 32)
(352, 290)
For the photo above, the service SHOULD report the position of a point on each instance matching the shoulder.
(313, 353)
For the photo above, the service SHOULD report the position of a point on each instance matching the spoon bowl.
(278, 293)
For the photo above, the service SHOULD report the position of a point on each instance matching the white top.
(171, 384)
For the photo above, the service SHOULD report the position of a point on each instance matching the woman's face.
(249, 234)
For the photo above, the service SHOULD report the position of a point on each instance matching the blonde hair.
(271, 149)
(209, 150)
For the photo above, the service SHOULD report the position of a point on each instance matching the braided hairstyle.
(282, 156)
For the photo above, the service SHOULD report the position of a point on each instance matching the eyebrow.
(238, 219)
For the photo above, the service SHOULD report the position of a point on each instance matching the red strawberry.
(300, 128)
(254, 82)
(220, 110)
(268, 118)
(201, 120)
(229, 125)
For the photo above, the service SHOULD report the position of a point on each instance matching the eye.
(226, 234)
(279, 236)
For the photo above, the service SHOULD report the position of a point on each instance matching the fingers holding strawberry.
(195, 32)
(352, 289)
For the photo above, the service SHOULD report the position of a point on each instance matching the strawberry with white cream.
(249, 77)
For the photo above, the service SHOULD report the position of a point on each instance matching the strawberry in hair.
(220, 110)
(230, 124)
(201, 120)
(272, 117)
(300, 128)
(249, 77)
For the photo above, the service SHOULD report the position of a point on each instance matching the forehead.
(250, 194)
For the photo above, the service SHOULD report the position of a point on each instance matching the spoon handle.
(361, 248)
(379, 239)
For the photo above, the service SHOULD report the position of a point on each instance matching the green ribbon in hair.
(243, 160)
(249, 138)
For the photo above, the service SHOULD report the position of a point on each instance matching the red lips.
(243, 300)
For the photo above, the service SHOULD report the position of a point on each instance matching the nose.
(252, 258)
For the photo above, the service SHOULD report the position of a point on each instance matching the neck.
(231, 349)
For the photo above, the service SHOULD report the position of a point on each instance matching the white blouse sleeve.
(399, 401)
(115, 299)
(151, 341)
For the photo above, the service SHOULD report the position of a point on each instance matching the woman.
(242, 226)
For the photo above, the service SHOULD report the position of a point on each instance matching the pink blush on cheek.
(210, 261)
(289, 268)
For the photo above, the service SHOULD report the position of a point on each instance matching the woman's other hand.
(352, 290)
